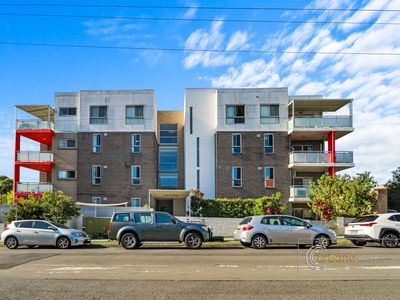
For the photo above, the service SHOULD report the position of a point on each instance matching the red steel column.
(331, 150)
(16, 167)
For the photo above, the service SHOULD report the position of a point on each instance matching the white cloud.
(190, 13)
(238, 41)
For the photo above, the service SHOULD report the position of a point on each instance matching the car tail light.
(368, 224)
(345, 225)
(247, 228)
(110, 226)
(6, 228)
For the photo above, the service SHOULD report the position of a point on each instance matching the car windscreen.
(58, 225)
(246, 221)
(365, 219)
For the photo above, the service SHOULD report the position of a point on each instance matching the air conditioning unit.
(105, 167)
(105, 133)
(105, 198)
(259, 168)
(258, 135)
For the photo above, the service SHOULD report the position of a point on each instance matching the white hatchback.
(379, 228)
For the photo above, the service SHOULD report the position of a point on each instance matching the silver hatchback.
(259, 231)
(42, 233)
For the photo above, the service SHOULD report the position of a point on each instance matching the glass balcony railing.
(299, 191)
(320, 122)
(319, 157)
(34, 124)
(35, 156)
(23, 187)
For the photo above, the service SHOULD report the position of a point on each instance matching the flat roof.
(316, 104)
(40, 111)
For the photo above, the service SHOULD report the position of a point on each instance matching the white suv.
(379, 228)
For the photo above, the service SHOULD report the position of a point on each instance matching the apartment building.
(113, 147)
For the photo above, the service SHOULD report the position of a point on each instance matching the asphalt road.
(212, 273)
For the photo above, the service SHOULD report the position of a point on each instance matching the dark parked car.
(134, 228)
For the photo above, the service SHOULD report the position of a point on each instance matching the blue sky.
(33, 74)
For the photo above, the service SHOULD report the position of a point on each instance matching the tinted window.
(246, 220)
(365, 219)
(42, 225)
(163, 218)
(395, 218)
(26, 224)
(121, 218)
(143, 218)
(287, 221)
(271, 221)
(16, 224)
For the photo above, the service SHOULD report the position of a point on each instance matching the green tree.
(7, 198)
(196, 200)
(393, 186)
(55, 207)
(342, 195)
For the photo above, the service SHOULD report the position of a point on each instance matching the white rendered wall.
(67, 123)
(204, 106)
(252, 99)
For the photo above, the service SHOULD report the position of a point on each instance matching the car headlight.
(205, 228)
(75, 235)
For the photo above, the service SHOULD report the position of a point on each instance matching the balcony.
(318, 161)
(36, 160)
(315, 128)
(35, 129)
(33, 124)
(299, 193)
(24, 189)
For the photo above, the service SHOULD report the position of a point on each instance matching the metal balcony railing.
(320, 122)
(34, 124)
(299, 191)
(25, 187)
(318, 157)
(34, 156)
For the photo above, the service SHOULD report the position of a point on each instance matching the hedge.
(237, 208)
(96, 227)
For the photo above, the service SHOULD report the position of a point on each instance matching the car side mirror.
(173, 220)
(308, 225)
(52, 228)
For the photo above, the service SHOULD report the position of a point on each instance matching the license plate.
(353, 231)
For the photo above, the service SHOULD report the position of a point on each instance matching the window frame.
(163, 130)
(159, 159)
(66, 140)
(270, 116)
(162, 214)
(233, 179)
(273, 143)
(68, 114)
(170, 187)
(273, 179)
(235, 117)
(135, 199)
(96, 177)
(136, 146)
(137, 120)
(91, 118)
(98, 147)
(137, 178)
(96, 198)
(66, 178)
(240, 143)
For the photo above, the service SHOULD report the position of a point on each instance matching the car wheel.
(322, 241)
(129, 241)
(245, 244)
(193, 240)
(389, 240)
(359, 243)
(259, 241)
(63, 242)
(11, 242)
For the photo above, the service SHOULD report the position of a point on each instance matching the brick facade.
(252, 160)
(116, 160)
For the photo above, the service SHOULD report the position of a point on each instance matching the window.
(288, 221)
(235, 114)
(121, 217)
(96, 175)
(268, 143)
(136, 143)
(365, 219)
(135, 202)
(169, 181)
(26, 224)
(198, 151)
(96, 200)
(168, 159)
(142, 217)
(42, 225)
(236, 176)
(134, 114)
(66, 144)
(66, 174)
(96, 142)
(269, 114)
(271, 221)
(67, 111)
(198, 179)
(236, 143)
(98, 115)
(269, 177)
(168, 133)
(191, 120)
(302, 148)
(163, 218)
(135, 175)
